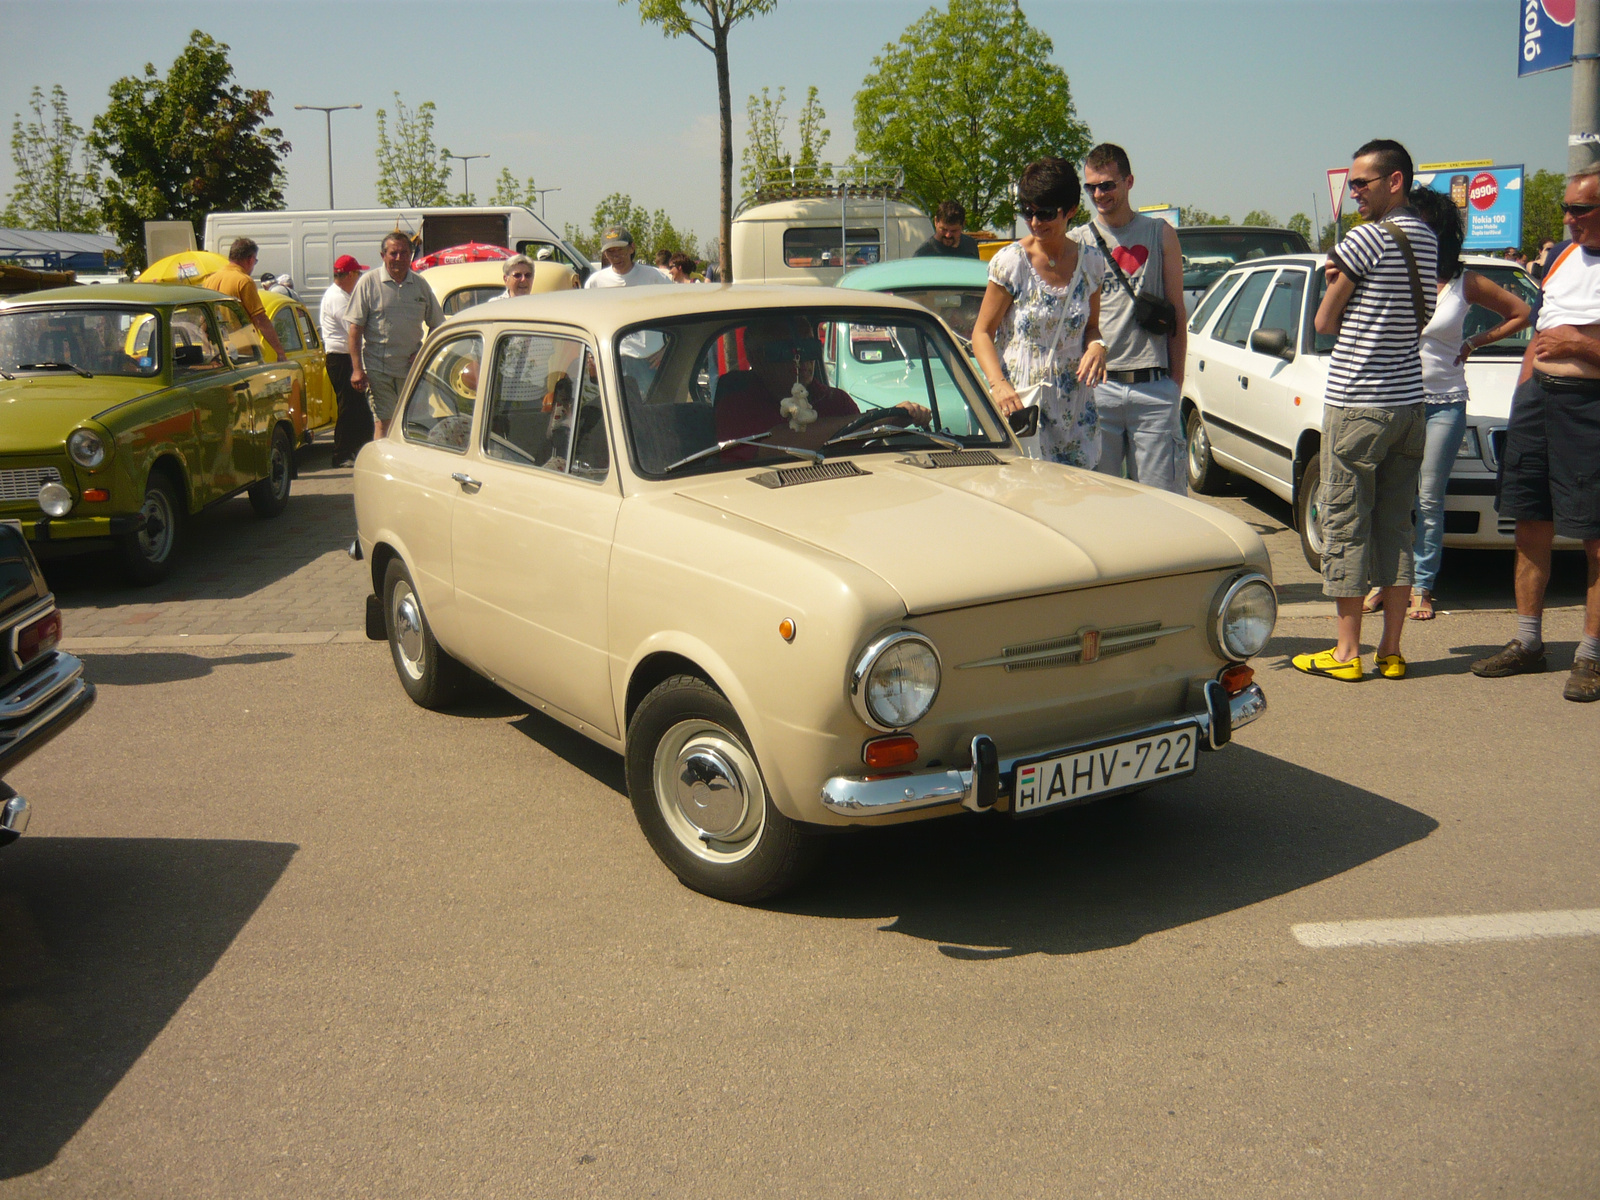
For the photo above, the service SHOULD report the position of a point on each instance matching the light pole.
(466, 188)
(327, 110)
(540, 192)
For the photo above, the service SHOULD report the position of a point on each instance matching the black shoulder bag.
(1418, 305)
(1151, 313)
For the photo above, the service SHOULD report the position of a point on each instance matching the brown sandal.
(1421, 607)
(1374, 601)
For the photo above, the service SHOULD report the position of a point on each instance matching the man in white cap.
(620, 269)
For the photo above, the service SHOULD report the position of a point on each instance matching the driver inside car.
(780, 353)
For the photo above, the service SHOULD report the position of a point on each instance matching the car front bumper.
(991, 775)
(40, 704)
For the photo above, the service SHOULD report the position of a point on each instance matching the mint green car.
(131, 407)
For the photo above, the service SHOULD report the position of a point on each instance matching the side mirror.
(1274, 342)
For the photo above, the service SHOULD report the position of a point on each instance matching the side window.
(439, 410)
(823, 247)
(308, 331)
(195, 347)
(1209, 302)
(1321, 343)
(287, 333)
(1283, 305)
(1234, 325)
(238, 335)
(544, 407)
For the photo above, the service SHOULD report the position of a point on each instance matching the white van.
(817, 240)
(306, 243)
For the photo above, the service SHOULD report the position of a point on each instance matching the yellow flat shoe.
(1390, 666)
(1327, 664)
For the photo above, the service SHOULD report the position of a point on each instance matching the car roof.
(929, 271)
(1235, 229)
(120, 293)
(1317, 258)
(607, 310)
(273, 301)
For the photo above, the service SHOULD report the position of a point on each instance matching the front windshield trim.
(929, 329)
(100, 367)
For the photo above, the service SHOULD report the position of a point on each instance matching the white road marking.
(1487, 927)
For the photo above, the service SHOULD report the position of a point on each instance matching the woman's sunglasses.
(1028, 213)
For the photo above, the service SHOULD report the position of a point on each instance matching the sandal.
(1421, 607)
(1374, 601)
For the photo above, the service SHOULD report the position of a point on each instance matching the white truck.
(305, 243)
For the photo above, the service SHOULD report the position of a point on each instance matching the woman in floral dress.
(1040, 320)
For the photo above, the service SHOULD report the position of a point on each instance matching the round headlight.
(1246, 616)
(55, 499)
(87, 448)
(895, 681)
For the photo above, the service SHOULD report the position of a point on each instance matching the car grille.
(1063, 651)
(24, 483)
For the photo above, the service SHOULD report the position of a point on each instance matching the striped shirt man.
(1376, 361)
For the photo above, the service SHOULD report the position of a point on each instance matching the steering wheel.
(875, 416)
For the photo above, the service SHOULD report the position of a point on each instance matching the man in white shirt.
(354, 427)
(620, 269)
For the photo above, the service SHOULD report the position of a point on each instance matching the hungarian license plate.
(1099, 770)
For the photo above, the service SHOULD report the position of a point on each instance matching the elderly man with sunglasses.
(1550, 470)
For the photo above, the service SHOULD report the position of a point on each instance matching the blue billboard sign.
(1489, 200)
(1544, 35)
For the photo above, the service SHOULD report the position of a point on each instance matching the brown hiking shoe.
(1583, 684)
(1513, 659)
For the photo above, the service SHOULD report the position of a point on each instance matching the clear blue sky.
(1225, 105)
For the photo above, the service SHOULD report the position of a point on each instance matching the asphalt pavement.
(276, 931)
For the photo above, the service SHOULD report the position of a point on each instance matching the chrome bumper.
(40, 705)
(976, 788)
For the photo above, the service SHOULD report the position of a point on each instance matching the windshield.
(796, 378)
(957, 305)
(1209, 253)
(94, 338)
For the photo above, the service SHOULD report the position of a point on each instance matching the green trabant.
(131, 406)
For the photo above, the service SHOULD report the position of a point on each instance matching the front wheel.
(147, 556)
(430, 676)
(699, 797)
(1205, 476)
(1308, 513)
(271, 496)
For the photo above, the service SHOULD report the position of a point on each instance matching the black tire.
(148, 556)
(1205, 476)
(271, 496)
(686, 727)
(1307, 513)
(430, 676)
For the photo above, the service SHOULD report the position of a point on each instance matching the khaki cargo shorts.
(383, 394)
(1371, 458)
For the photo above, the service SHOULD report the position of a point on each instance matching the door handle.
(1202, 364)
(1244, 382)
(467, 482)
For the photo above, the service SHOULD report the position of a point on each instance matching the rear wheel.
(698, 795)
(1308, 513)
(1205, 476)
(271, 496)
(430, 676)
(147, 556)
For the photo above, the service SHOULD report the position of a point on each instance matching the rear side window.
(308, 331)
(825, 247)
(1234, 325)
(439, 410)
(1209, 302)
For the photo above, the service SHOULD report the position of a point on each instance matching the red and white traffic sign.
(1336, 182)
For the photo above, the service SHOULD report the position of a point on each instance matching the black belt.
(1142, 375)
(1581, 385)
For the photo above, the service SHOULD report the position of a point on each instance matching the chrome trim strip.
(1111, 641)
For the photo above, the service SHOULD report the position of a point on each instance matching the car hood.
(959, 536)
(1490, 384)
(38, 411)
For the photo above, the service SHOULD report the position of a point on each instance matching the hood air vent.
(790, 476)
(953, 458)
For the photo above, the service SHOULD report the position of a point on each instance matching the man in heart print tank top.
(1138, 403)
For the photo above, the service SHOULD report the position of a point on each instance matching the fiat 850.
(655, 515)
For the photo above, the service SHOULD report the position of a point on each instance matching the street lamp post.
(327, 110)
(466, 187)
(540, 192)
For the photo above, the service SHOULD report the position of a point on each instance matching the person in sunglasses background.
(1140, 430)
(1550, 471)
(1040, 319)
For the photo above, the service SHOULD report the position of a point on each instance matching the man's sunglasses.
(1028, 213)
(1095, 189)
(1579, 210)
(1361, 185)
(785, 350)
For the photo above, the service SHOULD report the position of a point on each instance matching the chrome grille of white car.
(24, 483)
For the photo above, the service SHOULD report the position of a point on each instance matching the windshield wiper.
(758, 439)
(888, 429)
(5, 374)
(54, 366)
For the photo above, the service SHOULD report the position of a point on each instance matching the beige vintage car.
(647, 513)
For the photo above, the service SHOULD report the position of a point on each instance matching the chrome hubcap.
(709, 793)
(1314, 520)
(709, 790)
(1199, 449)
(407, 626)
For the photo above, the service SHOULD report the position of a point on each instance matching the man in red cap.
(354, 427)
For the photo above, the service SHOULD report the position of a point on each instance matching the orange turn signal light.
(96, 494)
(1235, 679)
(897, 750)
(786, 629)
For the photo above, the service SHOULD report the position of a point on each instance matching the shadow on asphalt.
(155, 666)
(104, 939)
(593, 759)
(230, 553)
(1247, 827)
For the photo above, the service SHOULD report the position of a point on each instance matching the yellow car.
(303, 341)
(461, 285)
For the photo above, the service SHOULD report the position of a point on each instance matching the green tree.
(1541, 209)
(1260, 217)
(183, 146)
(50, 191)
(1199, 216)
(1301, 224)
(962, 101)
(764, 157)
(708, 22)
(652, 231)
(507, 190)
(1330, 235)
(412, 171)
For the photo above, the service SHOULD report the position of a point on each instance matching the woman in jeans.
(1444, 379)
